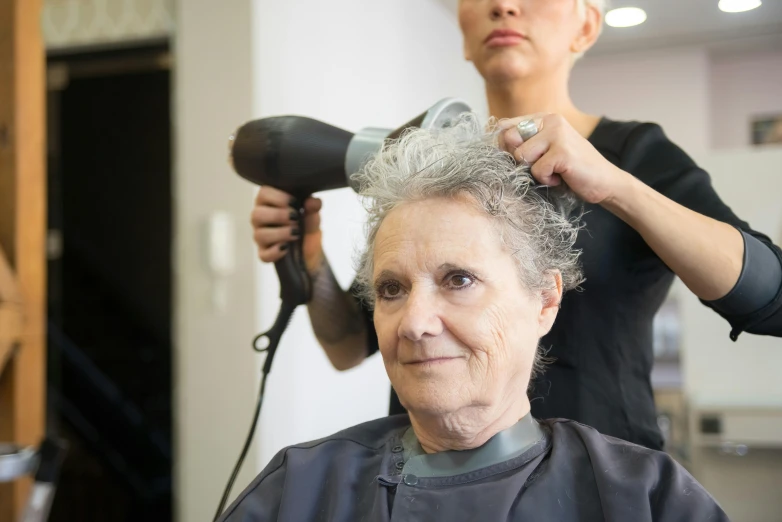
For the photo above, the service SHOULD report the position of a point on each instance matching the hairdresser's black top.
(602, 338)
(553, 470)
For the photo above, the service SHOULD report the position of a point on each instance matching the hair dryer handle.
(295, 284)
(295, 290)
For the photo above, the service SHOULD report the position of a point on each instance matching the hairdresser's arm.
(334, 313)
(689, 206)
(336, 320)
(705, 253)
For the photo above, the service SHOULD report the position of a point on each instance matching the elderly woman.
(465, 265)
(651, 214)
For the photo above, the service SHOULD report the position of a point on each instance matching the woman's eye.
(459, 281)
(390, 290)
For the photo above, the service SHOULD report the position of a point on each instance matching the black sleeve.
(366, 314)
(758, 282)
(654, 159)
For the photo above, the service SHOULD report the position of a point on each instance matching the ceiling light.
(738, 6)
(626, 16)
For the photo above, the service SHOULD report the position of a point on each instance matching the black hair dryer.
(302, 156)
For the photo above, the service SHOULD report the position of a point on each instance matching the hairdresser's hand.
(274, 227)
(559, 153)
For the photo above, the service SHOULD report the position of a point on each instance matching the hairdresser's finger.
(264, 216)
(509, 123)
(268, 237)
(506, 123)
(511, 139)
(272, 254)
(544, 171)
(532, 150)
(501, 142)
(312, 223)
(312, 205)
(532, 124)
(272, 197)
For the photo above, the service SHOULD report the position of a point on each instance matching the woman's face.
(539, 36)
(456, 327)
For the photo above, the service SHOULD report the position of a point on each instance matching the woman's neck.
(537, 95)
(469, 428)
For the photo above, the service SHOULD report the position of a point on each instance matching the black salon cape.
(601, 342)
(573, 474)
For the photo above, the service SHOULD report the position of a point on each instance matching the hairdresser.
(651, 213)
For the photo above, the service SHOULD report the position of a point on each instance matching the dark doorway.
(109, 332)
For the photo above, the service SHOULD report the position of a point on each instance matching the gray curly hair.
(535, 222)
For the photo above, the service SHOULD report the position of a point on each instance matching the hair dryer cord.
(273, 336)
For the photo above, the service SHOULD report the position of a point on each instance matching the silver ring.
(527, 129)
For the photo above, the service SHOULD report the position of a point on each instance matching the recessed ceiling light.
(738, 6)
(626, 16)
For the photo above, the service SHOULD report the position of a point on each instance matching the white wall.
(703, 100)
(744, 86)
(216, 372)
(351, 63)
(668, 88)
(745, 375)
(717, 370)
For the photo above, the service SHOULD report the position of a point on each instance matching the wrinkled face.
(456, 327)
(547, 33)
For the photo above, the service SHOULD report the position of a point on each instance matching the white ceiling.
(673, 23)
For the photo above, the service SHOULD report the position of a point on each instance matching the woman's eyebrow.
(450, 267)
(385, 274)
(444, 268)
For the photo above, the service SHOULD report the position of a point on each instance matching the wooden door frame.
(22, 236)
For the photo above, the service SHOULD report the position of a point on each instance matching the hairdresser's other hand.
(559, 153)
(274, 227)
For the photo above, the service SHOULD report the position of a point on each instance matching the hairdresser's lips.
(504, 38)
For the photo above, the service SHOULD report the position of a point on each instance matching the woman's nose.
(503, 8)
(420, 317)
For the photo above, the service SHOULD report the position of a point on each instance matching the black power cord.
(264, 342)
(295, 289)
(246, 447)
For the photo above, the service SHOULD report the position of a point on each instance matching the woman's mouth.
(504, 38)
(432, 361)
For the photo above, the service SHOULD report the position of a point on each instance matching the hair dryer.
(302, 156)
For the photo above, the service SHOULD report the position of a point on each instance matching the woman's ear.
(590, 30)
(550, 298)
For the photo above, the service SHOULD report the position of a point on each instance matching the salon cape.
(533, 471)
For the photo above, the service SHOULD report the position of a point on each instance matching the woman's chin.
(505, 67)
(432, 401)
(432, 408)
